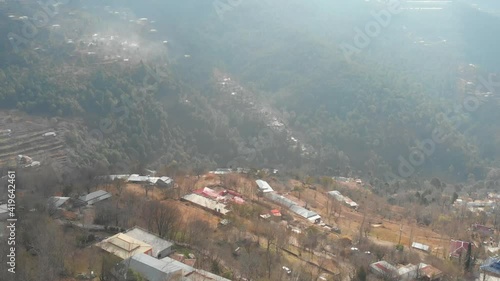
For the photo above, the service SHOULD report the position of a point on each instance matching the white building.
(264, 186)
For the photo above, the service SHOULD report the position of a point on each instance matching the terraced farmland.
(26, 137)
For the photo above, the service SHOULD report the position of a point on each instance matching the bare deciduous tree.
(119, 184)
(161, 217)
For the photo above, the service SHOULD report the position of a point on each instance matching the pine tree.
(468, 258)
(361, 274)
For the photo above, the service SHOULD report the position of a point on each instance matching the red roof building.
(482, 229)
(458, 248)
(276, 213)
(207, 192)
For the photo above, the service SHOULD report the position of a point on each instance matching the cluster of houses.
(151, 257)
(221, 195)
(225, 171)
(487, 204)
(214, 199)
(70, 208)
(408, 272)
(84, 200)
(344, 179)
(294, 207)
(344, 199)
(150, 180)
(275, 213)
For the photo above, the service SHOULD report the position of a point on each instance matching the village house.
(482, 230)
(344, 199)
(206, 203)
(65, 203)
(264, 186)
(150, 180)
(383, 269)
(458, 249)
(150, 268)
(276, 213)
(430, 273)
(408, 272)
(421, 247)
(294, 207)
(95, 197)
(160, 247)
(164, 269)
(490, 270)
(124, 246)
(219, 195)
(64, 207)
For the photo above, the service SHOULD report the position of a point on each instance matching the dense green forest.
(361, 115)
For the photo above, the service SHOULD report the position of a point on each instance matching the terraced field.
(27, 138)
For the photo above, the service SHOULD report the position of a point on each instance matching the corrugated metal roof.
(122, 177)
(148, 179)
(166, 180)
(303, 212)
(336, 194)
(430, 271)
(202, 275)
(123, 246)
(137, 178)
(458, 248)
(420, 246)
(206, 202)
(264, 186)
(57, 201)
(154, 241)
(408, 272)
(492, 265)
(314, 218)
(280, 199)
(383, 268)
(154, 269)
(95, 196)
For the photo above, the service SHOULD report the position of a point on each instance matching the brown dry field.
(350, 221)
(188, 211)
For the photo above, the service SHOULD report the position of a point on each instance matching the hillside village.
(245, 224)
(259, 225)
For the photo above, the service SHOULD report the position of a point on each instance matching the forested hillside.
(160, 102)
(365, 113)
